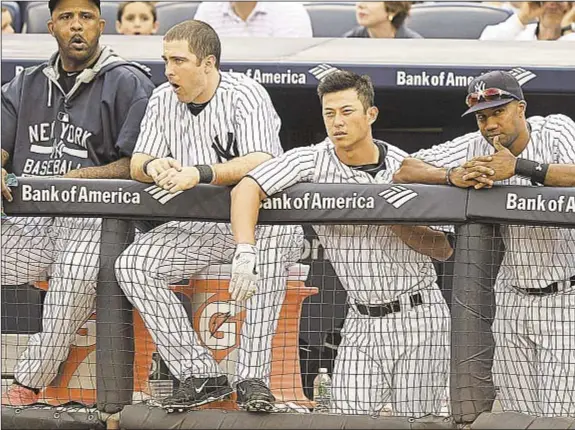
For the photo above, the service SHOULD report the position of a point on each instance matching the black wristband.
(532, 170)
(206, 173)
(145, 165)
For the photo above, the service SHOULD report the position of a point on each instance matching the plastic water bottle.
(322, 392)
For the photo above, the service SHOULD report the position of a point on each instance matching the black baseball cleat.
(255, 396)
(194, 392)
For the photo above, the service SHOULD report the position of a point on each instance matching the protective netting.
(533, 329)
(372, 309)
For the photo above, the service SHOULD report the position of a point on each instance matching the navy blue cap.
(497, 79)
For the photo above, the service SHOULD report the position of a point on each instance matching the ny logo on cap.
(480, 87)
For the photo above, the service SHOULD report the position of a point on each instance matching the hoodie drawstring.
(49, 93)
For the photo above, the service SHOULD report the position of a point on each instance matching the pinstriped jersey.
(238, 120)
(535, 256)
(374, 265)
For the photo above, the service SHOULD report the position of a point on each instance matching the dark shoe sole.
(213, 397)
(258, 406)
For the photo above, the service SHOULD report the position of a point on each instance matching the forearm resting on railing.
(413, 171)
(245, 208)
(560, 175)
(116, 170)
(424, 240)
(231, 172)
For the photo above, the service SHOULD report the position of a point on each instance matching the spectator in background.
(7, 21)
(550, 17)
(256, 19)
(568, 25)
(383, 20)
(137, 18)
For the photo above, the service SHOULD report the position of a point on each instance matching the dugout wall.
(478, 217)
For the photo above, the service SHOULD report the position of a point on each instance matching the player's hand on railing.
(245, 274)
(491, 168)
(6, 193)
(173, 180)
(160, 165)
(462, 178)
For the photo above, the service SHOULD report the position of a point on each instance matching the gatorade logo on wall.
(218, 323)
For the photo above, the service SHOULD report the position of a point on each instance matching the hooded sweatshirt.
(47, 132)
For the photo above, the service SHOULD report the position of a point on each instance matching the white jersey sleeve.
(449, 154)
(151, 140)
(257, 123)
(293, 167)
(562, 129)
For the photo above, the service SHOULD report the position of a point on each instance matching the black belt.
(379, 311)
(549, 289)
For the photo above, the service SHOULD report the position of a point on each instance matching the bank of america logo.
(321, 71)
(523, 76)
(397, 196)
(160, 195)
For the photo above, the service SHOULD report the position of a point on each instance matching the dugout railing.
(476, 216)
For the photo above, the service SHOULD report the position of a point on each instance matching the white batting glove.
(245, 273)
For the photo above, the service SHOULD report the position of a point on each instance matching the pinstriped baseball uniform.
(535, 355)
(239, 119)
(401, 358)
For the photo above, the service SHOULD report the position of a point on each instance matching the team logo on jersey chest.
(226, 150)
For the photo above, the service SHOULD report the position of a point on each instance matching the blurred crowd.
(527, 20)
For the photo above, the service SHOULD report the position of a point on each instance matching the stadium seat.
(447, 20)
(16, 13)
(37, 14)
(331, 19)
(172, 13)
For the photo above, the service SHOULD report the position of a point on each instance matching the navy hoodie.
(49, 133)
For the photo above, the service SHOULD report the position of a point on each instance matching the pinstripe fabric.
(370, 257)
(69, 301)
(403, 358)
(534, 363)
(240, 111)
(27, 249)
(239, 119)
(399, 360)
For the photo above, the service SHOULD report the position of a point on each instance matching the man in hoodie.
(77, 116)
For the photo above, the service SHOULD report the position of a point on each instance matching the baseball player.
(76, 116)
(394, 346)
(211, 127)
(534, 363)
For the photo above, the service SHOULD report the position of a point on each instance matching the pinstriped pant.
(178, 250)
(69, 248)
(401, 359)
(534, 363)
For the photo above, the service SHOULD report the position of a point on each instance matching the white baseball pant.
(401, 359)
(534, 362)
(68, 248)
(176, 251)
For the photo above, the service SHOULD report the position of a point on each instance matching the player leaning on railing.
(395, 340)
(76, 116)
(211, 127)
(534, 326)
